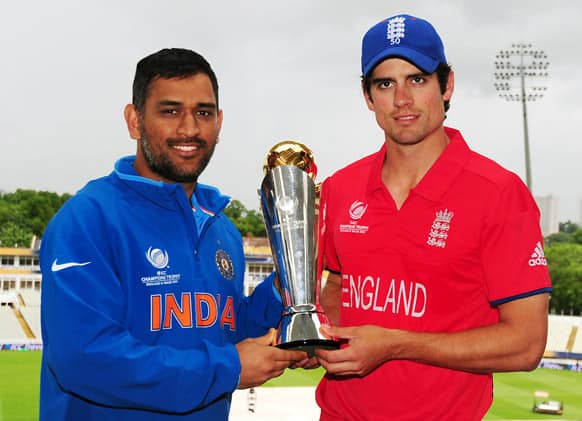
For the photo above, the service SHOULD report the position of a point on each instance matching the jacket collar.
(165, 194)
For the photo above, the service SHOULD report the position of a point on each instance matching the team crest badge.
(224, 264)
(439, 230)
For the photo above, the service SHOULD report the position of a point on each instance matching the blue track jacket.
(140, 311)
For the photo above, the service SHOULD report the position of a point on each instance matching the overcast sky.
(287, 70)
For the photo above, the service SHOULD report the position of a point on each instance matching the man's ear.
(131, 115)
(450, 87)
(219, 117)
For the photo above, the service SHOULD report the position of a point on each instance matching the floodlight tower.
(523, 63)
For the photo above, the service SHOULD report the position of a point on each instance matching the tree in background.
(248, 222)
(12, 235)
(565, 264)
(569, 233)
(26, 213)
(568, 227)
(564, 255)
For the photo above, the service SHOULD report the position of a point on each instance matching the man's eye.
(418, 79)
(204, 113)
(385, 84)
(170, 111)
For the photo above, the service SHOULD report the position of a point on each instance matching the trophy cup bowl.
(288, 201)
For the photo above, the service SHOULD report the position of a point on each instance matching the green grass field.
(19, 381)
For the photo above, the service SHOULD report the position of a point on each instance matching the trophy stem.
(300, 330)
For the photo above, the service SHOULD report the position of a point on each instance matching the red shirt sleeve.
(512, 255)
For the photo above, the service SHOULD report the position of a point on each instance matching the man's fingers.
(333, 356)
(276, 373)
(260, 361)
(307, 363)
(337, 332)
(281, 365)
(338, 366)
(269, 338)
(289, 355)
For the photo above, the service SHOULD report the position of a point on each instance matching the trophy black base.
(310, 345)
(299, 330)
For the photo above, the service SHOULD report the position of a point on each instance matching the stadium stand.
(32, 317)
(20, 317)
(577, 345)
(10, 329)
(30, 298)
(564, 334)
(29, 308)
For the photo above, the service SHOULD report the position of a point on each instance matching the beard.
(160, 162)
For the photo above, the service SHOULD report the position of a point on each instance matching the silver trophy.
(289, 202)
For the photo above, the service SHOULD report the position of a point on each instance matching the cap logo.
(395, 30)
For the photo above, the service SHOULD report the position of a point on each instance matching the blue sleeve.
(261, 310)
(88, 348)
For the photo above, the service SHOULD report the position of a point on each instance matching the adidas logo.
(538, 257)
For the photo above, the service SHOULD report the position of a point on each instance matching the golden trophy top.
(291, 152)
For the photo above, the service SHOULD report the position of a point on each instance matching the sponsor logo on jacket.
(160, 260)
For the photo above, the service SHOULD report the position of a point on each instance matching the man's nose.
(189, 126)
(402, 96)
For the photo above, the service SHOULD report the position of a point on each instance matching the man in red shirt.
(437, 270)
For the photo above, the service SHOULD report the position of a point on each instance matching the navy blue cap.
(411, 38)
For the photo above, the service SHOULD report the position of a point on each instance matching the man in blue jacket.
(143, 312)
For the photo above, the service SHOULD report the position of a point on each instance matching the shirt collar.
(440, 175)
(375, 180)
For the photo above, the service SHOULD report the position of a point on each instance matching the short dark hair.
(169, 63)
(442, 71)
